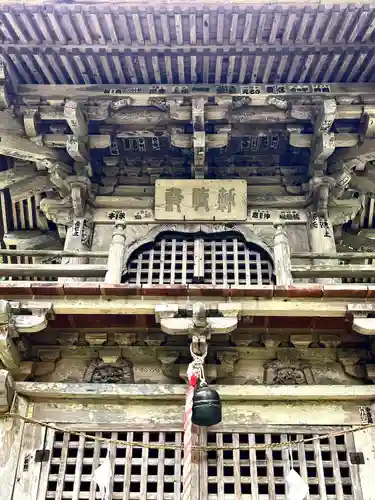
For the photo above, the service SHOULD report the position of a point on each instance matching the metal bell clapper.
(206, 406)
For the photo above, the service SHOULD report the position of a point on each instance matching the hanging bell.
(206, 407)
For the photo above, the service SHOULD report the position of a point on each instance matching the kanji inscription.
(173, 199)
(200, 200)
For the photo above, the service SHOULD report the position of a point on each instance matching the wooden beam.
(357, 155)
(24, 149)
(342, 140)
(108, 91)
(53, 391)
(53, 270)
(52, 253)
(75, 118)
(338, 255)
(146, 306)
(15, 175)
(334, 271)
(150, 117)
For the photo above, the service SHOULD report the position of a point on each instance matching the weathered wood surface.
(53, 253)
(45, 390)
(200, 200)
(338, 255)
(167, 414)
(365, 443)
(84, 92)
(53, 270)
(11, 433)
(249, 307)
(116, 255)
(282, 259)
(130, 215)
(28, 470)
(334, 271)
(6, 391)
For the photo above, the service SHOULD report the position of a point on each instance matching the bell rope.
(195, 372)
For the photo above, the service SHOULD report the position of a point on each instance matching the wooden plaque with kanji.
(201, 200)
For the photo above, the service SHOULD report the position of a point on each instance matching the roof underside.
(244, 43)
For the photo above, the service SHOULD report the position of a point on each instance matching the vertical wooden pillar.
(78, 238)
(282, 257)
(365, 443)
(11, 434)
(116, 255)
(322, 240)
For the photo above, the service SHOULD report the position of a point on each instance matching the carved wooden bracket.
(227, 359)
(11, 325)
(353, 365)
(198, 318)
(80, 191)
(362, 321)
(73, 113)
(6, 391)
(167, 361)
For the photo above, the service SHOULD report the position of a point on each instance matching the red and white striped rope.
(188, 437)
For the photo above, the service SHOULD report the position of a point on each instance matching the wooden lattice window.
(222, 259)
(259, 474)
(138, 473)
(249, 474)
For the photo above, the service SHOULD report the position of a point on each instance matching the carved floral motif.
(120, 372)
(279, 372)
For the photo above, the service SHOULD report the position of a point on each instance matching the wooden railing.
(27, 268)
(341, 266)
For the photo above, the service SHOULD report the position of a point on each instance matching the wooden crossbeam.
(83, 92)
(338, 255)
(52, 253)
(45, 390)
(53, 270)
(334, 271)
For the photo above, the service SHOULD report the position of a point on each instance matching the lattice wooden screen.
(182, 260)
(150, 474)
(147, 474)
(259, 474)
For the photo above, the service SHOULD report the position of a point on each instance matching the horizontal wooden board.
(147, 215)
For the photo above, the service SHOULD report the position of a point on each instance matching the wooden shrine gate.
(60, 465)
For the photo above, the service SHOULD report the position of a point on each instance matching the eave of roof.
(214, 41)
